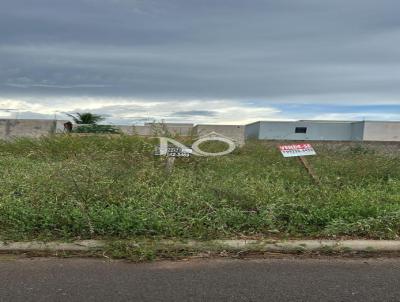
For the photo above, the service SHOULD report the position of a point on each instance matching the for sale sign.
(297, 150)
(173, 151)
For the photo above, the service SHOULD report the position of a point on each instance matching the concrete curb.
(36, 246)
(318, 245)
(216, 245)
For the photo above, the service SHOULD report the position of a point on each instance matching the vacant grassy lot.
(97, 187)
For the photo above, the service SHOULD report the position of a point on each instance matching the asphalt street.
(288, 279)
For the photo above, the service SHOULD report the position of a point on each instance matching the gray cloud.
(260, 50)
(194, 113)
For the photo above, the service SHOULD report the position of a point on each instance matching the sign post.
(309, 169)
(300, 151)
(169, 166)
(171, 153)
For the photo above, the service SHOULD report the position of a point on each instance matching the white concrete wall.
(142, 130)
(129, 130)
(316, 130)
(357, 131)
(150, 129)
(169, 128)
(368, 130)
(381, 131)
(3, 129)
(11, 128)
(234, 132)
(252, 131)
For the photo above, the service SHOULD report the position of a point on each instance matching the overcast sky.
(202, 61)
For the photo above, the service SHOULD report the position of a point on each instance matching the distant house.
(324, 130)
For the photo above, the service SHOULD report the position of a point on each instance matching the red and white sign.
(297, 150)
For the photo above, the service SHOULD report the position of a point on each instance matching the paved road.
(200, 280)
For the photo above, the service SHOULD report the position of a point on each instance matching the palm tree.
(86, 118)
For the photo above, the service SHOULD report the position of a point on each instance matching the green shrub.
(95, 129)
